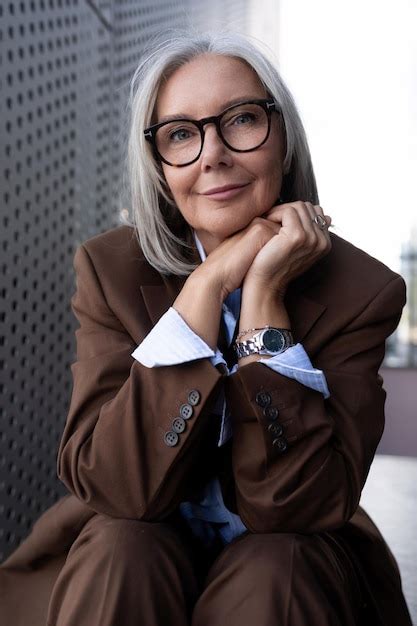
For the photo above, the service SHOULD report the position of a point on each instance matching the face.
(206, 86)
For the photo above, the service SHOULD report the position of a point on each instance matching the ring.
(320, 221)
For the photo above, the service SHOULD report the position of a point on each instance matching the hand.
(226, 266)
(296, 246)
(200, 300)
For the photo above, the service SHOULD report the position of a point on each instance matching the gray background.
(65, 67)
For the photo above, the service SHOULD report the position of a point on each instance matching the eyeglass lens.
(243, 127)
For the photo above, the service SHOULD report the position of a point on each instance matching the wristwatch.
(269, 340)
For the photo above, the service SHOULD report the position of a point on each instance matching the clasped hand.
(272, 250)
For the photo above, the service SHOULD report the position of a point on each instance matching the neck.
(208, 241)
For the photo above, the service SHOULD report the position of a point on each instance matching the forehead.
(205, 85)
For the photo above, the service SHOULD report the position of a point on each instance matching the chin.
(229, 224)
(226, 230)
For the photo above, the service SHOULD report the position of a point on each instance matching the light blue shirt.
(208, 515)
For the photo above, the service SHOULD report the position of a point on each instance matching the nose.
(214, 153)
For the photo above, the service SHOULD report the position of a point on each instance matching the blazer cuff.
(295, 363)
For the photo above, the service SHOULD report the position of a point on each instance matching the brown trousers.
(131, 573)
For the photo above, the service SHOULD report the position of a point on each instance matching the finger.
(274, 226)
(306, 213)
(321, 240)
(319, 219)
(274, 214)
(324, 242)
(262, 223)
(293, 225)
(296, 219)
(310, 214)
(319, 211)
(311, 209)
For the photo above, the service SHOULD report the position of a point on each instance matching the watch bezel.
(276, 332)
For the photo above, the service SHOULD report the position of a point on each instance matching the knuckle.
(325, 244)
(261, 233)
(299, 204)
(259, 227)
(298, 237)
(322, 245)
(311, 237)
(290, 208)
(318, 243)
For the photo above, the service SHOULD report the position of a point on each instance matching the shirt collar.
(200, 248)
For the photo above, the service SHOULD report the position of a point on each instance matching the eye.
(249, 115)
(244, 118)
(180, 134)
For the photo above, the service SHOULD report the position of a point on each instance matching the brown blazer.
(113, 457)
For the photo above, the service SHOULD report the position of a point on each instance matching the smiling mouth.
(226, 191)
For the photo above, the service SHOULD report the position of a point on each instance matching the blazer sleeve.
(315, 483)
(113, 455)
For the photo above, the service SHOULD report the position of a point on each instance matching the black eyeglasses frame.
(268, 104)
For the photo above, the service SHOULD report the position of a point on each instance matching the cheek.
(274, 174)
(270, 180)
(177, 181)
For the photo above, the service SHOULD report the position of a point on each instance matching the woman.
(226, 404)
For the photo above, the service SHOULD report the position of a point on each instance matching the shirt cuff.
(171, 341)
(295, 363)
(218, 358)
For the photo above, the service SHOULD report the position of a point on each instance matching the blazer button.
(194, 397)
(271, 413)
(275, 429)
(171, 438)
(186, 411)
(280, 444)
(263, 399)
(178, 425)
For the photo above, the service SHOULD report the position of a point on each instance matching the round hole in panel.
(64, 137)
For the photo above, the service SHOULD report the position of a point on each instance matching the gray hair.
(162, 232)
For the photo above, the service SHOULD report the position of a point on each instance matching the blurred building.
(402, 345)
(408, 328)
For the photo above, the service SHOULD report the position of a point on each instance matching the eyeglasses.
(242, 127)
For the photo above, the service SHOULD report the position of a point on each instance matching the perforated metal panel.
(65, 67)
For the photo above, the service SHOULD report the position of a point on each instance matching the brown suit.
(113, 457)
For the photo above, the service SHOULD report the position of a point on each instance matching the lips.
(224, 189)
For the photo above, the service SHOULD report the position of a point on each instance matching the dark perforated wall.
(65, 66)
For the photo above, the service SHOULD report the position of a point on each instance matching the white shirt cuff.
(171, 341)
(295, 363)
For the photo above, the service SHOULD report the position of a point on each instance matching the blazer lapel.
(158, 298)
(303, 313)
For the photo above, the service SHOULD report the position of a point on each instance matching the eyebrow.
(227, 104)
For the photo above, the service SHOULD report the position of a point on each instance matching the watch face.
(273, 340)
